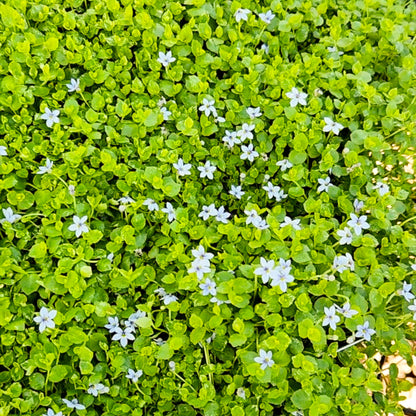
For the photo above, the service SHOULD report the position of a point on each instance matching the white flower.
(160, 291)
(220, 119)
(284, 164)
(251, 216)
(208, 107)
(413, 266)
(358, 223)
(131, 322)
(246, 131)
(166, 113)
(241, 14)
(170, 211)
(125, 200)
(383, 188)
(134, 375)
(151, 204)
(166, 58)
(358, 205)
(71, 190)
(413, 309)
(406, 291)
(266, 270)
(73, 85)
(267, 17)
(236, 191)
(201, 254)
(324, 184)
(274, 191)
(282, 278)
(124, 336)
(182, 168)
(110, 257)
(346, 310)
(200, 267)
(45, 169)
(253, 112)
(3, 151)
(45, 318)
(332, 126)
(230, 138)
(159, 341)
(96, 389)
(78, 225)
(209, 287)
(241, 393)
(265, 359)
(364, 331)
(73, 404)
(9, 216)
(331, 318)
(222, 215)
(294, 223)
(296, 97)
(208, 211)
(346, 236)
(52, 413)
(51, 117)
(248, 152)
(342, 263)
(113, 324)
(207, 170)
(260, 223)
(169, 298)
(172, 366)
(265, 48)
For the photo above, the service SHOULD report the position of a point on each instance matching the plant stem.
(350, 345)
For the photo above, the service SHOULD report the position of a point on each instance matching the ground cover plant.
(207, 207)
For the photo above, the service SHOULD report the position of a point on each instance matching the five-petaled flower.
(358, 223)
(406, 291)
(207, 170)
(78, 225)
(236, 191)
(134, 375)
(45, 319)
(123, 335)
(331, 318)
(267, 17)
(96, 389)
(151, 204)
(365, 331)
(73, 85)
(3, 151)
(264, 359)
(182, 168)
(346, 236)
(346, 310)
(253, 112)
(248, 152)
(45, 169)
(296, 97)
(9, 216)
(209, 287)
(333, 126)
(324, 184)
(169, 211)
(241, 14)
(208, 107)
(166, 58)
(51, 117)
(74, 404)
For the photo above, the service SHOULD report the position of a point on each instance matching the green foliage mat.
(206, 206)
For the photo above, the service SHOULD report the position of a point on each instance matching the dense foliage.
(206, 207)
